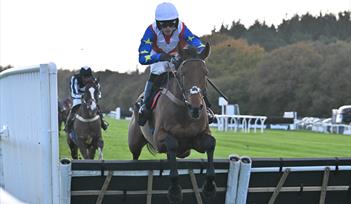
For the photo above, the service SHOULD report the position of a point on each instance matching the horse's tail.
(151, 149)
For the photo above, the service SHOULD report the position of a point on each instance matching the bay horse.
(86, 134)
(179, 122)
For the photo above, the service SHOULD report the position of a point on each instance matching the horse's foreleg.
(175, 190)
(83, 149)
(97, 144)
(73, 147)
(207, 144)
(91, 151)
(100, 146)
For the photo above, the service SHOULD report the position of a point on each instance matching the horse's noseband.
(192, 91)
(194, 111)
(195, 90)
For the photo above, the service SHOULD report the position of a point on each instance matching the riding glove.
(165, 57)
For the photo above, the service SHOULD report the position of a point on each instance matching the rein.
(179, 86)
(172, 97)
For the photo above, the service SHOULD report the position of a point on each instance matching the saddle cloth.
(155, 99)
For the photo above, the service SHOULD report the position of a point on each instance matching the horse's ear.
(206, 52)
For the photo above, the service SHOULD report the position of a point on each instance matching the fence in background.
(245, 123)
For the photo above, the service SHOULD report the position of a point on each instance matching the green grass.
(271, 143)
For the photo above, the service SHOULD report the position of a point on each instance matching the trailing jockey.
(77, 86)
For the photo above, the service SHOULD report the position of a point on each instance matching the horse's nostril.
(196, 113)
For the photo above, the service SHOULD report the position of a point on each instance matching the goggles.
(165, 24)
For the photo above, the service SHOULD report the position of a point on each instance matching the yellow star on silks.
(190, 38)
(144, 52)
(148, 41)
(147, 58)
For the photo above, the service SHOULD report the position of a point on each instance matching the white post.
(222, 102)
(65, 181)
(118, 113)
(244, 179)
(48, 90)
(232, 182)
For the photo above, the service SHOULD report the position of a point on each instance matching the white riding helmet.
(166, 11)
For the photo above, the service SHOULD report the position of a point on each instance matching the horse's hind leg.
(136, 140)
(207, 143)
(59, 125)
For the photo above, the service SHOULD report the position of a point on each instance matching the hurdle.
(239, 180)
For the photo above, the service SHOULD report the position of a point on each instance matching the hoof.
(209, 189)
(175, 194)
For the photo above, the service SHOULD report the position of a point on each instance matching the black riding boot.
(70, 119)
(210, 113)
(104, 124)
(144, 110)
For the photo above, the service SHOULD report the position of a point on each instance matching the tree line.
(326, 28)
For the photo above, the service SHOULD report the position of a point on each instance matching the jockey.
(77, 85)
(159, 47)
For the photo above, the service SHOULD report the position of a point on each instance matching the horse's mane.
(188, 52)
(90, 82)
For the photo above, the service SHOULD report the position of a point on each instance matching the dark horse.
(86, 134)
(63, 110)
(179, 122)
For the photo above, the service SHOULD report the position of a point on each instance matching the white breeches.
(76, 102)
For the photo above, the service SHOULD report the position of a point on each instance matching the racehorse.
(179, 122)
(63, 110)
(86, 134)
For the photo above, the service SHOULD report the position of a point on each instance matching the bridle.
(179, 78)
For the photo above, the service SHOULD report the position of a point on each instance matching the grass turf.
(271, 143)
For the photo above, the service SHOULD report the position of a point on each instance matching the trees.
(285, 80)
(230, 65)
(306, 27)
